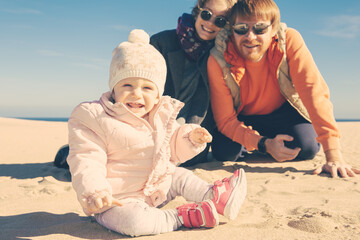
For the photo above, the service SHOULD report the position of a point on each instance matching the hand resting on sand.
(335, 164)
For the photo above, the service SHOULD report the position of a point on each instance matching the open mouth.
(134, 105)
(207, 29)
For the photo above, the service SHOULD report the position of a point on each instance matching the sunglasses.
(219, 20)
(258, 28)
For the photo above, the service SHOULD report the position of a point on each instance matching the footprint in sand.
(312, 220)
(45, 185)
(313, 224)
(265, 215)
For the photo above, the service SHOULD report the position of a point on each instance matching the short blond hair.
(266, 9)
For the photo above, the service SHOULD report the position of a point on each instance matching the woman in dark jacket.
(186, 50)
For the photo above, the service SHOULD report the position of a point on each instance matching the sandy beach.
(284, 200)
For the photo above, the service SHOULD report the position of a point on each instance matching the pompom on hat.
(137, 58)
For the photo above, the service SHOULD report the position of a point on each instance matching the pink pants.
(135, 219)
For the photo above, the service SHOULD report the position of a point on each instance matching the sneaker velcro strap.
(196, 215)
(195, 218)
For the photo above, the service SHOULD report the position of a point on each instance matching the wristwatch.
(261, 145)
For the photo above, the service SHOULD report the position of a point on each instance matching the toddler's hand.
(95, 203)
(200, 135)
(104, 199)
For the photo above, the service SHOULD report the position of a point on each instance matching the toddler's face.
(139, 95)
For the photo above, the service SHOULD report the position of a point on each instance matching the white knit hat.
(137, 58)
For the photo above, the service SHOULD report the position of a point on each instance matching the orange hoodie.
(260, 93)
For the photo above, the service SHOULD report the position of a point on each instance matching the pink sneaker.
(196, 215)
(229, 194)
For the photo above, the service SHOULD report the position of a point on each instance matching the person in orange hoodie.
(267, 93)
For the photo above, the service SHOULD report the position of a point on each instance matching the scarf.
(193, 46)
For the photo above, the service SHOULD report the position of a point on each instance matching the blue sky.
(55, 54)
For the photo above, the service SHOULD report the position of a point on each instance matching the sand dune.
(284, 201)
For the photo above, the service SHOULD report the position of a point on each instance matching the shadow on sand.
(34, 170)
(29, 225)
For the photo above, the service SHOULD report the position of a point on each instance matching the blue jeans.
(285, 120)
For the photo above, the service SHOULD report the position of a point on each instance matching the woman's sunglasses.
(206, 16)
(258, 28)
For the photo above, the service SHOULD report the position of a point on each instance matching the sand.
(284, 200)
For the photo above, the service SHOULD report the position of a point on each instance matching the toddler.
(125, 148)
